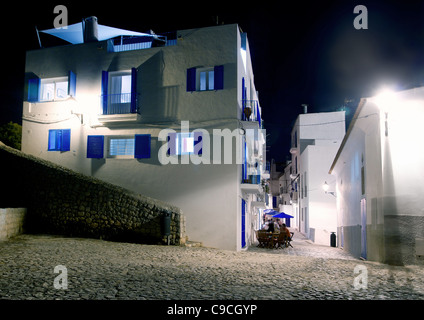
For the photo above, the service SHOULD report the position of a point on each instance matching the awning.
(74, 33)
(282, 215)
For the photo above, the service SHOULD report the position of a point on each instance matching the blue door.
(243, 223)
(363, 228)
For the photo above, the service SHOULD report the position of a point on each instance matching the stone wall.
(61, 201)
(11, 222)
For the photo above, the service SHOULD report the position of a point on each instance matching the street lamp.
(386, 100)
(325, 186)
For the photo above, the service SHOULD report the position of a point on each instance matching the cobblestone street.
(99, 269)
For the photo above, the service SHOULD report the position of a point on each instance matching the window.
(51, 89)
(205, 79)
(59, 140)
(119, 92)
(185, 143)
(118, 147)
(120, 87)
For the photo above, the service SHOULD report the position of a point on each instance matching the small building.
(316, 138)
(172, 116)
(379, 169)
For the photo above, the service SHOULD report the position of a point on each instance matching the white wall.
(209, 195)
(318, 138)
(393, 165)
(322, 210)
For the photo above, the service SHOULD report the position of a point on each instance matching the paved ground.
(98, 269)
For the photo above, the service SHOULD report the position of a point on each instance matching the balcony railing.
(251, 111)
(252, 179)
(128, 43)
(119, 103)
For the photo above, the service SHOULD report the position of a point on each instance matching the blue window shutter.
(105, 80)
(198, 144)
(72, 84)
(95, 147)
(66, 140)
(142, 146)
(258, 115)
(243, 223)
(172, 143)
(191, 79)
(133, 90)
(33, 89)
(218, 77)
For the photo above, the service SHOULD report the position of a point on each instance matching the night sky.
(307, 52)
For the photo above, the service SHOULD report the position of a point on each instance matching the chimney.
(305, 108)
(90, 32)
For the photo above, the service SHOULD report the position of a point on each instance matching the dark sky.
(303, 52)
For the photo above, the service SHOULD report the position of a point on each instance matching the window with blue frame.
(185, 143)
(205, 79)
(59, 140)
(121, 147)
(124, 147)
(119, 92)
(52, 89)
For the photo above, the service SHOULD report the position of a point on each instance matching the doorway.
(363, 228)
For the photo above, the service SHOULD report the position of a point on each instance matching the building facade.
(316, 138)
(378, 171)
(174, 117)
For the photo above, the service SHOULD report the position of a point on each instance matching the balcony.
(129, 43)
(251, 111)
(118, 107)
(50, 111)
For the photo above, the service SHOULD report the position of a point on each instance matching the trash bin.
(166, 224)
(333, 239)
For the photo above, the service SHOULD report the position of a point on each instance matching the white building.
(286, 190)
(122, 106)
(316, 138)
(379, 170)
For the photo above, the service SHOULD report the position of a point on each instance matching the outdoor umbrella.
(282, 215)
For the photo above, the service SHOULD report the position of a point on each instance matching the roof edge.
(349, 130)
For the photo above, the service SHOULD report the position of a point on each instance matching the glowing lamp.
(325, 186)
(386, 99)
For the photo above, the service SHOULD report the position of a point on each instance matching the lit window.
(206, 79)
(185, 143)
(53, 89)
(59, 140)
(121, 147)
(120, 87)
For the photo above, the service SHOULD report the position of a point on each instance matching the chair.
(289, 240)
(281, 240)
(263, 239)
(273, 240)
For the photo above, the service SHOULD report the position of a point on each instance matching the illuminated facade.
(378, 170)
(102, 107)
(316, 138)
